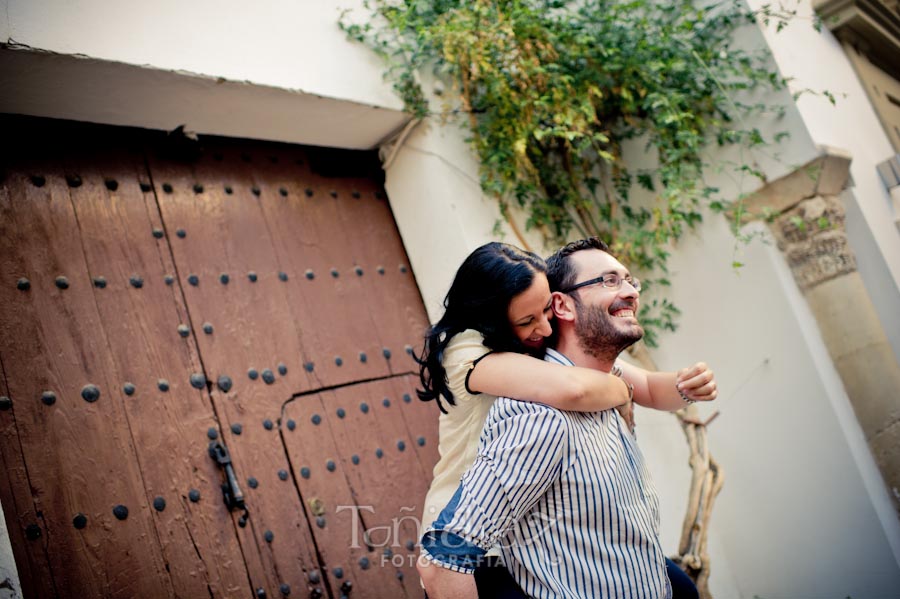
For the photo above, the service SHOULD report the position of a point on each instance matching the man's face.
(606, 319)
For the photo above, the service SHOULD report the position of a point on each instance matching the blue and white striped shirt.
(567, 498)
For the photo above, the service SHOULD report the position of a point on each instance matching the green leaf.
(549, 91)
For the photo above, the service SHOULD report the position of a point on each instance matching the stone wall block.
(809, 229)
(886, 450)
(847, 320)
(825, 175)
(835, 172)
(784, 194)
(870, 370)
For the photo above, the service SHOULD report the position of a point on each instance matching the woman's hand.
(697, 383)
(626, 411)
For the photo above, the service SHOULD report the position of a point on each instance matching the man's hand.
(441, 583)
(697, 382)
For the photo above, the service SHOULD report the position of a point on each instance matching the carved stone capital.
(807, 217)
(826, 175)
(814, 241)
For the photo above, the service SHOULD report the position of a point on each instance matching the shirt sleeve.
(522, 452)
(462, 354)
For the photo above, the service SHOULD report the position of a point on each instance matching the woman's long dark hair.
(486, 282)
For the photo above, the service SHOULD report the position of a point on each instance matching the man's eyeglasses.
(610, 281)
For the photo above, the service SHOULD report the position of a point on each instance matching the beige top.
(460, 428)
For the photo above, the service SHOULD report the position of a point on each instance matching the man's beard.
(598, 335)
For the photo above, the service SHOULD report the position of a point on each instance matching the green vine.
(551, 91)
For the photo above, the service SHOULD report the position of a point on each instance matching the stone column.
(806, 214)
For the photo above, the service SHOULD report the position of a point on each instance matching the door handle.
(231, 490)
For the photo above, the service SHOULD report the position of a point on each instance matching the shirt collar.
(551, 355)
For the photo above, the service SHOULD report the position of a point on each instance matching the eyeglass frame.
(634, 282)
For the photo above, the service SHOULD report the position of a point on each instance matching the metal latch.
(231, 491)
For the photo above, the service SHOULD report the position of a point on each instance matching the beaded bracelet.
(684, 397)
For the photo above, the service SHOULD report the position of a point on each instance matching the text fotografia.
(397, 533)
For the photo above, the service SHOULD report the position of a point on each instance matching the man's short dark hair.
(560, 272)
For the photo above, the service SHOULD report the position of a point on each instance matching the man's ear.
(563, 306)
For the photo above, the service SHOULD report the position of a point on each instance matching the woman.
(497, 317)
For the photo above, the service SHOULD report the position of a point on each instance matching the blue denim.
(450, 548)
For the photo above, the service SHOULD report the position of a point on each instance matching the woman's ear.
(563, 306)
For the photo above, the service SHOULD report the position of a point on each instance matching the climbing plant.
(552, 90)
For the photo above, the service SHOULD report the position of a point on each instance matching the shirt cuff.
(451, 551)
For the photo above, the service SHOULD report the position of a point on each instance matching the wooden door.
(159, 296)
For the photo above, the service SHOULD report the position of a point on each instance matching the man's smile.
(622, 310)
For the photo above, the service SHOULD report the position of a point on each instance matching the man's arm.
(521, 453)
(660, 390)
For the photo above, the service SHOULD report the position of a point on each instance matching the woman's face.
(530, 313)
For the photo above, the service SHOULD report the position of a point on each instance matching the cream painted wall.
(816, 61)
(439, 208)
(288, 44)
(8, 573)
(804, 511)
(277, 70)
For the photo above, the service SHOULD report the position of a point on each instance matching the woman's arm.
(570, 388)
(660, 390)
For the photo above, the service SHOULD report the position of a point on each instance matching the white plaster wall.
(816, 61)
(288, 44)
(439, 208)
(804, 511)
(9, 577)
(277, 70)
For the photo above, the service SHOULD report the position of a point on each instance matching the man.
(566, 496)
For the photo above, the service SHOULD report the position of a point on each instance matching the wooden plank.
(169, 429)
(308, 238)
(420, 420)
(79, 455)
(214, 233)
(224, 233)
(19, 508)
(377, 484)
(393, 297)
(342, 228)
(323, 470)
